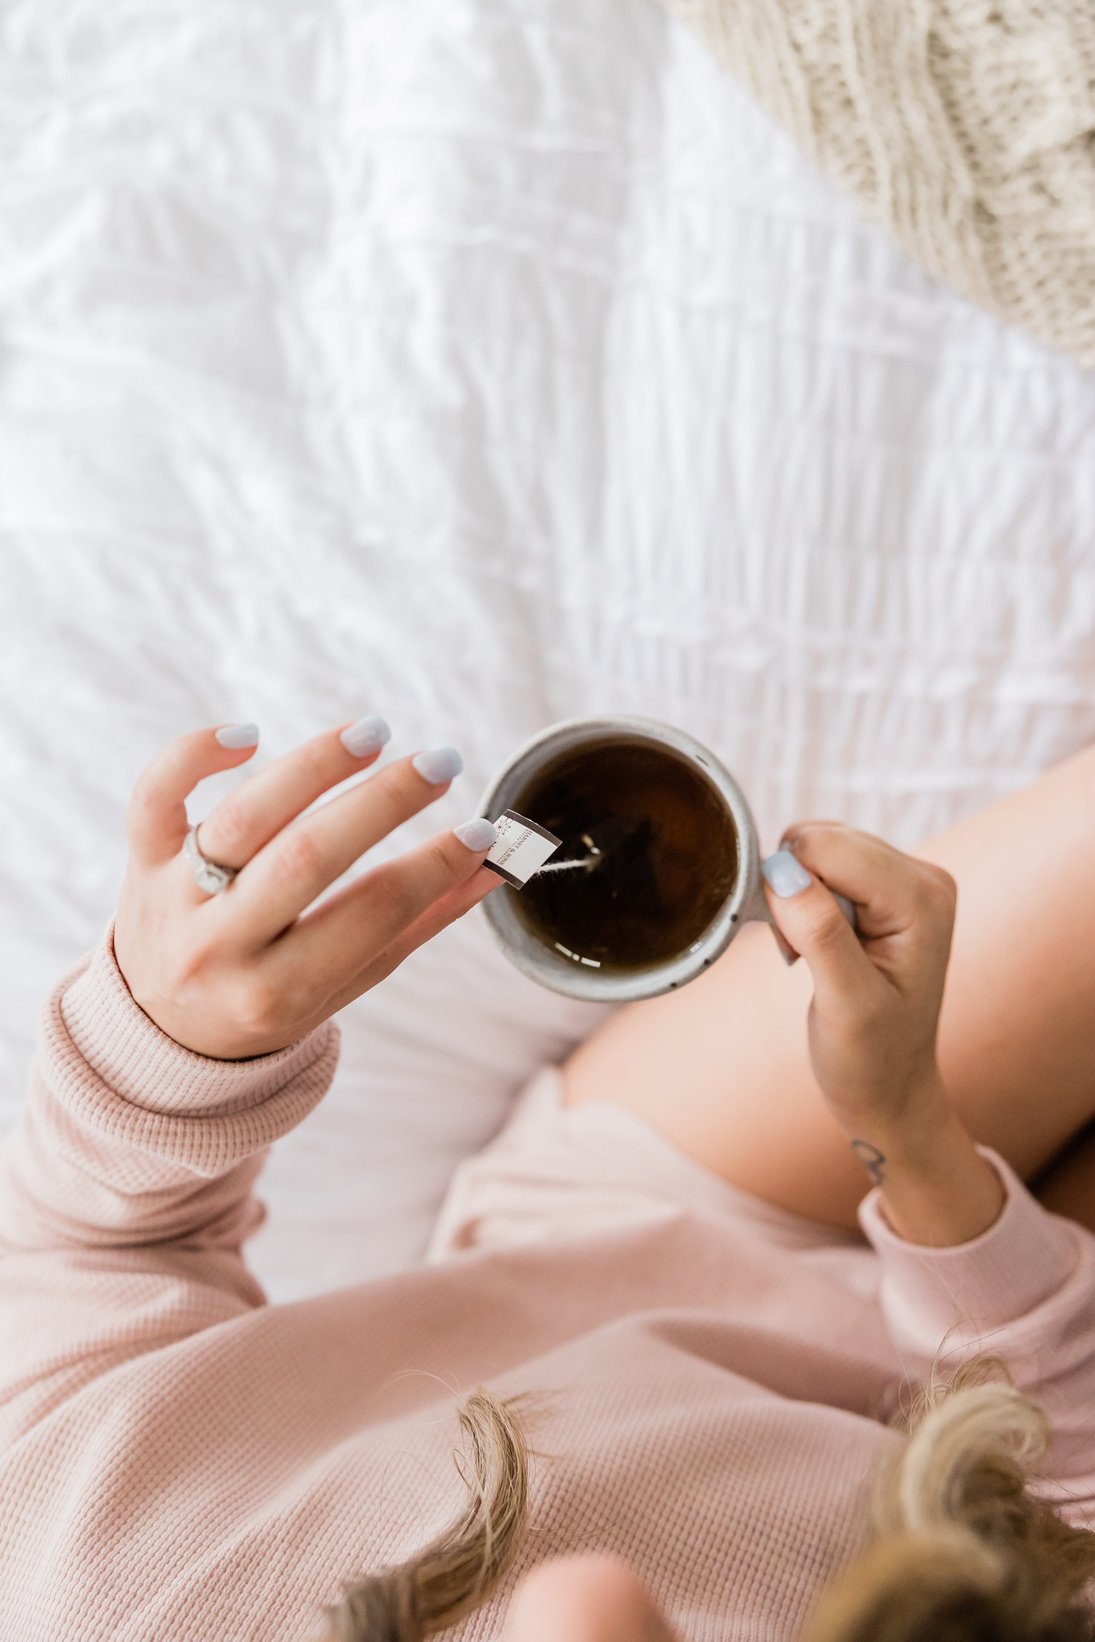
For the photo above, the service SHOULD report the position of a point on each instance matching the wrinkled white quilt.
(478, 363)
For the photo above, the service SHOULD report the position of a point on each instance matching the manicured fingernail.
(478, 834)
(439, 764)
(786, 876)
(365, 736)
(238, 735)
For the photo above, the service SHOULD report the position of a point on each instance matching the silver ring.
(208, 875)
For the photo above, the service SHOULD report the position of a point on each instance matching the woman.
(664, 1274)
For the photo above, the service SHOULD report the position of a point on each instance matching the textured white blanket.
(480, 362)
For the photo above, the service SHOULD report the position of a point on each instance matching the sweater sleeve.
(126, 1186)
(1023, 1290)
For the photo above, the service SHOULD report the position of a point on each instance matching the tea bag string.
(586, 861)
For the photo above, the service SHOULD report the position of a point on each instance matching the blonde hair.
(957, 1548)
(459, 1569)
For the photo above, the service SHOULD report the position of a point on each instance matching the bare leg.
(722, 1066)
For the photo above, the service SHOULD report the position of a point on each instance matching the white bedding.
(481, 362)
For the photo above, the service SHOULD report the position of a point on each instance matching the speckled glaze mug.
(550, 962)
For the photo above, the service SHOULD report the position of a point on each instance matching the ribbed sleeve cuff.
(1026, 1255)
(116, 1072)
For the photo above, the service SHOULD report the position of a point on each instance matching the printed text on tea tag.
(521, 848)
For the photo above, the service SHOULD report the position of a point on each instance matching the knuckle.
(193, 962)
(826, 930)
(818, 845)
(807, 832)
(392, 790)
(145, 796)
(297, 856)
(397, 898)
(936, 892)
(383, 800)
(258, 1005)
(448, 861)
(230, 827)
(920, 893)
(314, 761)
(947, 886)
(443, 865)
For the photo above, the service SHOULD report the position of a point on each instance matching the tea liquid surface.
(667, 858)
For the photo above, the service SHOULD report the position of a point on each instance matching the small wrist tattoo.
(871, 1159)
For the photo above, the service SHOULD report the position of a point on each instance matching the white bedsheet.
(481, 362)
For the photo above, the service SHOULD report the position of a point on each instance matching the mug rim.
(745, 901)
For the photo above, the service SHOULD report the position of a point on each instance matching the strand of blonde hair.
(459, 1569)
(958, 1547)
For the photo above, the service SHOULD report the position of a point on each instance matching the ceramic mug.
(745, 903)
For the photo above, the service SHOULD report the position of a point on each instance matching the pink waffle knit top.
(182, 1461)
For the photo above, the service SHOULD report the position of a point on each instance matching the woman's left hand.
(251, 970)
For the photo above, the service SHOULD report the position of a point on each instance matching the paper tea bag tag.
(521, 848)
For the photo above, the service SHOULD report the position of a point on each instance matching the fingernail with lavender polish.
(478, 834)
(786, 875)
(439, 764)
(366, 736)
(238, 735)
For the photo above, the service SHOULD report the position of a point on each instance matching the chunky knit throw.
(966, 127)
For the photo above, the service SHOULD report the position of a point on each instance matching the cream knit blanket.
(966, 127)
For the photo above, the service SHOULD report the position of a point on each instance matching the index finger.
(443, 912)
(891, 890)
(349, 931)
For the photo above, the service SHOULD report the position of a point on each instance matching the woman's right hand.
(251, 970)
(874, 1018)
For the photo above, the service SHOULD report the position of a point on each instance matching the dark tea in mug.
(659, 854)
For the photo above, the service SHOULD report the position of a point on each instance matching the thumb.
(156, 817)
(816, 923)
